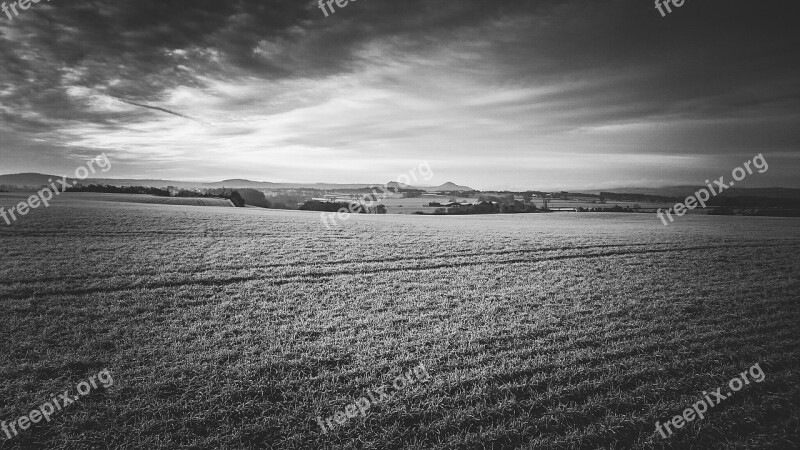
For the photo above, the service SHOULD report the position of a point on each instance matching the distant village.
(416, 201)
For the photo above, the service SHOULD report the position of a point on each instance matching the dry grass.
(236, 328)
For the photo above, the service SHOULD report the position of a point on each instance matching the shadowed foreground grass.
(229, 328)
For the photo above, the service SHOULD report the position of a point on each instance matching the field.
(237, 328)
(420, 204)
(69, 199)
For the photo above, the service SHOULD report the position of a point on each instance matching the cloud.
(276, 91)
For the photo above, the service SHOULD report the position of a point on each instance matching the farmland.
(420, 204)
(69, 199)
(237, 328)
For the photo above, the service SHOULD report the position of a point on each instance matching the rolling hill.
(38, 179)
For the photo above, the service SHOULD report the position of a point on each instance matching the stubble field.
(237, 328)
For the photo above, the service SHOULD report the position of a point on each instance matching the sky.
(492, 94)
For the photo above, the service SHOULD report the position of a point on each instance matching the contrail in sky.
(157, 108)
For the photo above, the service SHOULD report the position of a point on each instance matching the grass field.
(420, 204)
(70, 198)
(236, 328)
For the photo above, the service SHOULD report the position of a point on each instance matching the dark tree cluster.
(234, 196)
(316, 205)
(754, 202)
(638, 198)
(106, 189)
(615, 208)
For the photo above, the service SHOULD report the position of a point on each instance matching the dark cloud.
(713, 77)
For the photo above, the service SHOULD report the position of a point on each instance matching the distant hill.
(27, 179)
(38, 179)
(685, 191)
(449, 186)
(445, 187)
(762, 192)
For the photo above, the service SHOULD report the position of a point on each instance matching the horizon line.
(572, 190)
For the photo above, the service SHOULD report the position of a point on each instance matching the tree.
(527, 196)
(236, 199)
(254, 197)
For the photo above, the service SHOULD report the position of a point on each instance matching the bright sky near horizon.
(514, 94)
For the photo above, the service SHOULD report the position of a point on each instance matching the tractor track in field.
(318, 264)
(317, 277)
